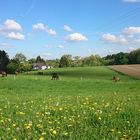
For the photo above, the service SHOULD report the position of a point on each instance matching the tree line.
(20, 63)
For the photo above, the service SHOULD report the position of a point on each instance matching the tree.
(32, 61)
(12, 67)
(20, 58)
(65, 61)
(4, 60)
(77, 61)
(134, 57)
(40, 60)
(93, 60)
(121, 58)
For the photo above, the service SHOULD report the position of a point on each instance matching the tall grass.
(84, 104)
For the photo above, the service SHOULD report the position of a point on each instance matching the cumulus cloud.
(67, 28)
(132, 31)
(131, 1)
(76, 37)
(122, 40)
(15, 36)
(42, 27)
(51, 32)
(61, 46)
(109, 37)
(11, 25)
(39, 26)
(9, 30)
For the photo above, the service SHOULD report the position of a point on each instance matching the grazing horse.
(55, 76)
(16, 73)
(3, 74)
(116, 79)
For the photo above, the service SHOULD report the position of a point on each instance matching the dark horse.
(3, 74)
(55, 76)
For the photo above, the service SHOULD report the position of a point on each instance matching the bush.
(12, 67)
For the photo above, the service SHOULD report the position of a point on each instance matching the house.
(40, 66)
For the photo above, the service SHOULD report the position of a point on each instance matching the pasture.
(85, 104)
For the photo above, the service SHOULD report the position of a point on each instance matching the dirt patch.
(132, 70)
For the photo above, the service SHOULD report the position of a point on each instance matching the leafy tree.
(39, 60)
(32, 61)
(77, 61)
(134, 57)
(20, 58)
(4, 60)
(65, 61)
(23, 67)
(12, 67)
(93, 60)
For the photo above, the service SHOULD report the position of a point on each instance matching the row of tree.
(20, 63)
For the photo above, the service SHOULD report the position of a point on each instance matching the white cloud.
(8, 30)
(15, 36)
(109, 37)
(51, 32)
(61, 46)
(11, 25)
(131, 1)
(42, 27)
(67, 28)
(131, 48)
(76, 37)
(131, 31)
(122, 40)
(39, 26)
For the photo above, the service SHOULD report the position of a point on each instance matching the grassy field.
(85, 104)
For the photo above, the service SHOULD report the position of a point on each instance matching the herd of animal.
(55, 76)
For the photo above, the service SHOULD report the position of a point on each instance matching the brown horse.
(16, 73)
(116, 78)
(3, 74)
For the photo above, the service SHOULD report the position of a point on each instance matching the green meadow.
(84, 104)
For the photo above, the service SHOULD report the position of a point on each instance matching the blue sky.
(51, 28)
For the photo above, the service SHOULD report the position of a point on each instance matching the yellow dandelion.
(41, 138)
(99, 118)
(43, 134)
(112, 130)
(60, 108)
(8, 129)
(14, 125)
(54, 132)
(2, 121)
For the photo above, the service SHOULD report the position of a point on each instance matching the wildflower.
(43, 133)
(60, 109)
(14, 125)
(112, 130)
(2, 121)
(99, 118)
(8, 129)
(119, 132)
(54, 132)
(21, 113)
(39, 126)
(41, 138)
(65, 133)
